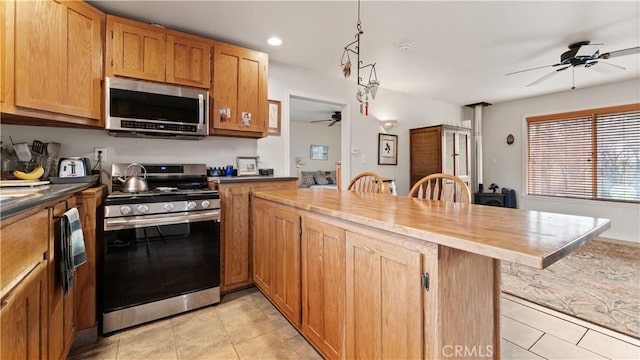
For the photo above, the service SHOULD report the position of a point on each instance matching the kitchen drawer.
(23, 243)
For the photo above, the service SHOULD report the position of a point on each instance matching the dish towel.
(72, 242)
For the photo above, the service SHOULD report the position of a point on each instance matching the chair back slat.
(442, 187)
(367, 182)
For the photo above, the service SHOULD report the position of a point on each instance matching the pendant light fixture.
(371, 87)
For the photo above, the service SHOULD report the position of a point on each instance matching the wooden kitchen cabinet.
(23, 317)
(440, 149)
(134, 49)
(277, 257)
(383, 300)
(52, 61)
(323, 285)
(147, 52)
(89, 204)
(61, 306)
(239, 92)
(188, 61)
(263, 246)
(236, 230)
(286, 288)
(23, 284)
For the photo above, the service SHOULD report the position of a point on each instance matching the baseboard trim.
(619, 242)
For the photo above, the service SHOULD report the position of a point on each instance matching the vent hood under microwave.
(137, 108)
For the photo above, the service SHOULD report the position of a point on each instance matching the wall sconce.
(299, 163)
(388, 124)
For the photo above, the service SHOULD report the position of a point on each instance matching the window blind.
(588, 155)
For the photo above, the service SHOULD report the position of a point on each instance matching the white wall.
(213, 150)
(359, 132)
(505, 164)
(307, 134)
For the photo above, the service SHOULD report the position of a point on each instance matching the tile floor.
(245, 325)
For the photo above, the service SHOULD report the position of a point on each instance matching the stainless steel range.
(162, 246)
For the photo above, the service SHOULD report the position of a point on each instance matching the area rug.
(599, 283)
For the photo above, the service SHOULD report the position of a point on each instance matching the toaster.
(74, 167)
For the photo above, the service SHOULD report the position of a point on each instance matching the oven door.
(159, 265)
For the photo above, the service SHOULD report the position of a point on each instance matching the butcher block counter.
(380, 276)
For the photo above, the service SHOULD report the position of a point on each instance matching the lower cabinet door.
(262, 246)
(383, 300)
(323, 261)
(286, 287)
(23, 318)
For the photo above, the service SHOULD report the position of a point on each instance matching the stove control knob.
(191, 205)
(168, 207)
(205, 204)
(125, 210)
(143, 209)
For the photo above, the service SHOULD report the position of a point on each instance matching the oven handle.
(161, 219)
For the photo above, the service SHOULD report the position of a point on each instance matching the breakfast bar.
(380, 276)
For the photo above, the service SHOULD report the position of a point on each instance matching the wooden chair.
(367, 182)
(441, 187)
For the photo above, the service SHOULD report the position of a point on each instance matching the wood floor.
(246, 326)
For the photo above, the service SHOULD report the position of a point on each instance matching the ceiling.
(307, 110)
(460, 51)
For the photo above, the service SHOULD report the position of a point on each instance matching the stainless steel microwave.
(145, 109)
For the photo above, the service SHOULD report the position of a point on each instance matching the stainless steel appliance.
(74, 167)
(162, 246)
(145, 109)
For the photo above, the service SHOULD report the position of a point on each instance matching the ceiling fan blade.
(535, 68)
(588, 50)
(623, 52)
(333, 122)
(604, 67)
(553, 73)
(316, 121)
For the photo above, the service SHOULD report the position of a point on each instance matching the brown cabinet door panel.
(188, 62)
(134, 50)
(263, 248)
(23, 318)
(58, 58)
(323, 258)
(286, 287)
(240, 89)
(384, 300)
(235, 233)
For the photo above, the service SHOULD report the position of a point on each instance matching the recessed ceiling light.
(274, 41)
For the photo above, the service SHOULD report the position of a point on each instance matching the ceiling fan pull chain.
(573, 77)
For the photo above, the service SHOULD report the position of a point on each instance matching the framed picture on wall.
(247, 165)
(274, 117)
(319, 152)
(387, 149)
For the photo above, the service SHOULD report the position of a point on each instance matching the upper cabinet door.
(188, 61)
(134, 50)
(239, 90)
(58, 57)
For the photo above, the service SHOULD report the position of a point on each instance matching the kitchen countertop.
(532, 238)
(14, 205)
(237, 179)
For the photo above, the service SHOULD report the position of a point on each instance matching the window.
(591, 154)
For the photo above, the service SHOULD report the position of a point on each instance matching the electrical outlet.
(102, 151)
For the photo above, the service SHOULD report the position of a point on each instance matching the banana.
(33, 175)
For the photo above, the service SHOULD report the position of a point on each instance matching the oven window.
(158, 262)
(148, 106)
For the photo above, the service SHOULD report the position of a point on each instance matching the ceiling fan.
(586, 54)
(336, 117)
